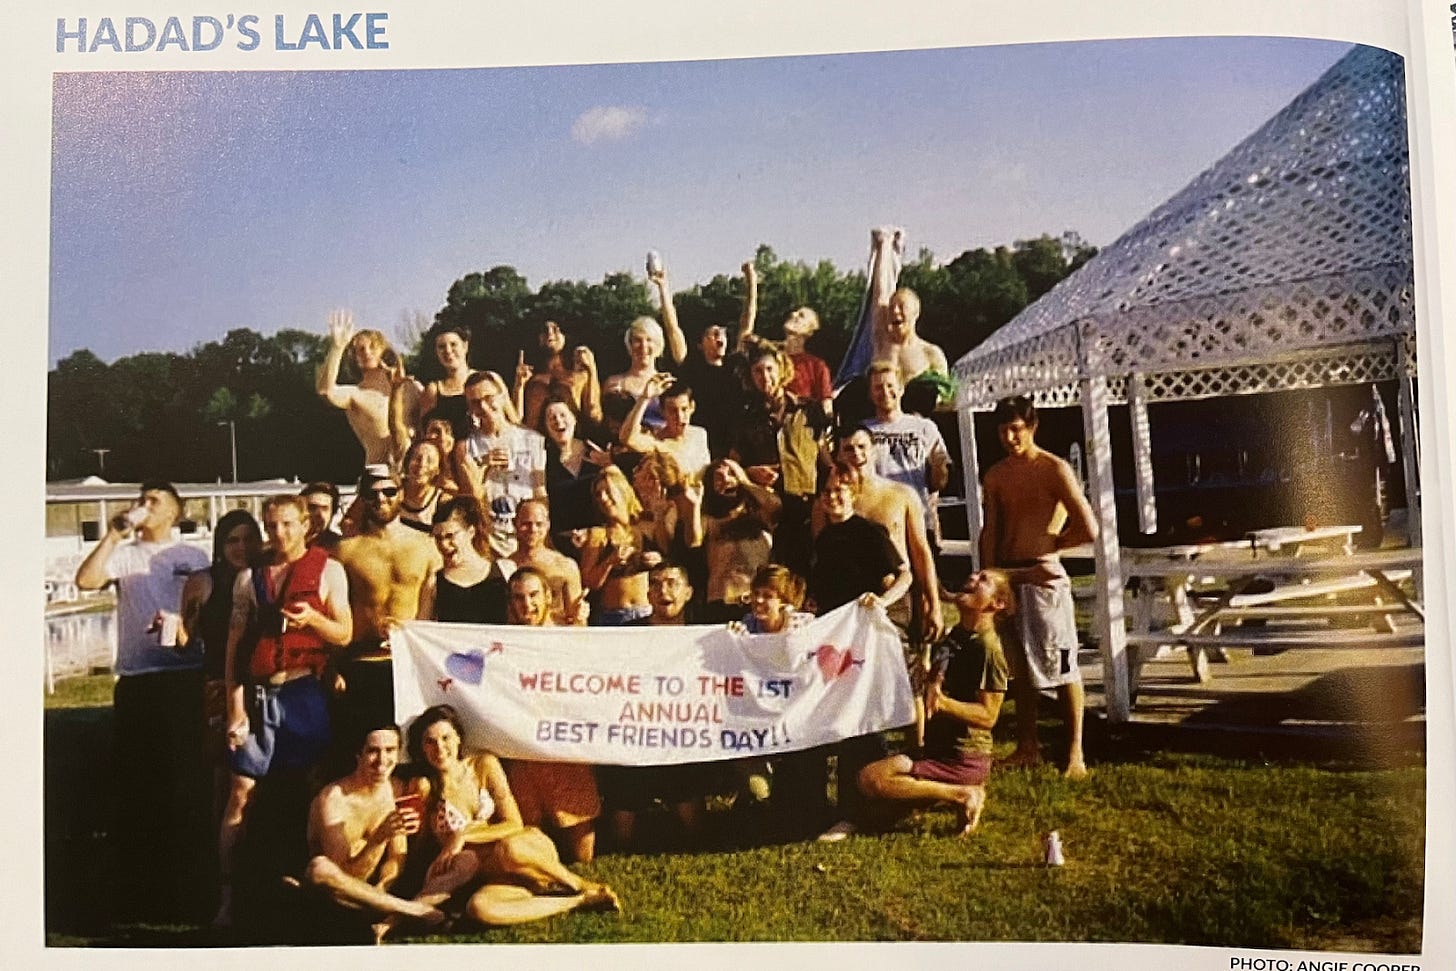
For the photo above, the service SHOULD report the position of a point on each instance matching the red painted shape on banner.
(832, 661)
(444, 683)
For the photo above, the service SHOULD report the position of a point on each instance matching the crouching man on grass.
(962, 702)
(358, 836)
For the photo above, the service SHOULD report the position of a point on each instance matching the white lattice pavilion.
(1285, 265)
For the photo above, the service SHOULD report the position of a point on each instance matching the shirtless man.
(387, 565)
(896, 507)
(358, 838)
(365, 404)
(563, 576)
(558, 797)
(896, 312)
(739, 518)
(684, 441)
(1034, 509)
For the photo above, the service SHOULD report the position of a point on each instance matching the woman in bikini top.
(474, 813)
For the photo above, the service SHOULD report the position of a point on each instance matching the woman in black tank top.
(471, 589)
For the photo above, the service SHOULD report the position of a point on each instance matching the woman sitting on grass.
(470, 810)
(963, 698)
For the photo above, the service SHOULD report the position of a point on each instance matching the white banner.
(656, 695)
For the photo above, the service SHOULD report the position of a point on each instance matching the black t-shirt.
(850, 559)
(718, 393)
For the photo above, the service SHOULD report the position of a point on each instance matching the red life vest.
(296, 647)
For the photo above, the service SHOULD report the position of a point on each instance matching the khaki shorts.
(1045, 634)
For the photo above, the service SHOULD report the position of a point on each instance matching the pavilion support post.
(1142, 453)
(212, 512)
(1410, 438)
(970, 464)
(1112, 632)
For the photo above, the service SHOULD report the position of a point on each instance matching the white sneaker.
(841, 830)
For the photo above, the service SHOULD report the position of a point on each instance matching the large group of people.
(734, 487)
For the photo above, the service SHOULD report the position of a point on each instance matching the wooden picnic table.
(1299, 590)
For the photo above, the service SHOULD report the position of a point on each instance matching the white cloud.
(608, 123)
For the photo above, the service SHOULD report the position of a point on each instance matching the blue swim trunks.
(289, 728)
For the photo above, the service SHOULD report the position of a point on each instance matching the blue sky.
(187, 204)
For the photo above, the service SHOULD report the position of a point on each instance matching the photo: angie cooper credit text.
(1328, 964)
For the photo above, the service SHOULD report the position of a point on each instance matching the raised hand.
(341, 328)
(524, 371)
(585, 359)
(597, 455)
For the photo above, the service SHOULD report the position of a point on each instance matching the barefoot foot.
(600, 897)
(968, 812)
(1076, 770)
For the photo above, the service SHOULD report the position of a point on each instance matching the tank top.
(481, 603)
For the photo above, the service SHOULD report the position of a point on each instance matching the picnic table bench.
(1274, 602)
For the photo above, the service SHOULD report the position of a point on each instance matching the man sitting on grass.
(359, 834)
(956, 760)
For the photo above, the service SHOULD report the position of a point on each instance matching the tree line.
(168, 414)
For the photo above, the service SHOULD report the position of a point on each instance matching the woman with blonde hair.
(615, 557)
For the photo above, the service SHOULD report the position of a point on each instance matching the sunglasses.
(388, 492)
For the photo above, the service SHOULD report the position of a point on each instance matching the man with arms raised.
(289, 614)
(162, 786)
(387, 565)
(716, 376)
(562, 575)
(558, 797)
(365, 404)
(684, 441)
(358, 838)
(896, 312)
(1034, 509)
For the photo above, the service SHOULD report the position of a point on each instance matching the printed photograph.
(962, 494)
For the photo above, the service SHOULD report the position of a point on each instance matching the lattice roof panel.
(1298, 238)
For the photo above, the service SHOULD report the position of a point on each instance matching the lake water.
(79, 643)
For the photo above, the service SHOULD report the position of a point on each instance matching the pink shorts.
(973, 770)
(554, 794)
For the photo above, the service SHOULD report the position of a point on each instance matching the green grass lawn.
(1165, 847)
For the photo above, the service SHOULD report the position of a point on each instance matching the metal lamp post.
(233, 442)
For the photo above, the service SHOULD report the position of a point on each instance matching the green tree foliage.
(158, 413)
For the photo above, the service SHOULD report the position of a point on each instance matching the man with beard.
(739, 517)
(387, 565)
